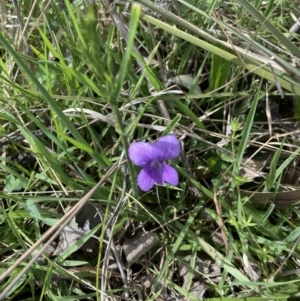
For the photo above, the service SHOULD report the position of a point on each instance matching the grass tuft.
(82, 80)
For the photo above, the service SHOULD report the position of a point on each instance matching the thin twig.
(280, 91)
(285, 260)
(221, 223)
(111, 245)
(22, 27)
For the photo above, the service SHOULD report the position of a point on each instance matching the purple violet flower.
(151, 157)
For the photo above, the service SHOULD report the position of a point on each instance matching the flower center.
(155, 164)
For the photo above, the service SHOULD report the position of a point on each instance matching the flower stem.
(114, 99)
(120, 129)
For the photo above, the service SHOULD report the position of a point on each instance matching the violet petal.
(144, 181)
(165, 148)
(140, 153)
(170, 175)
